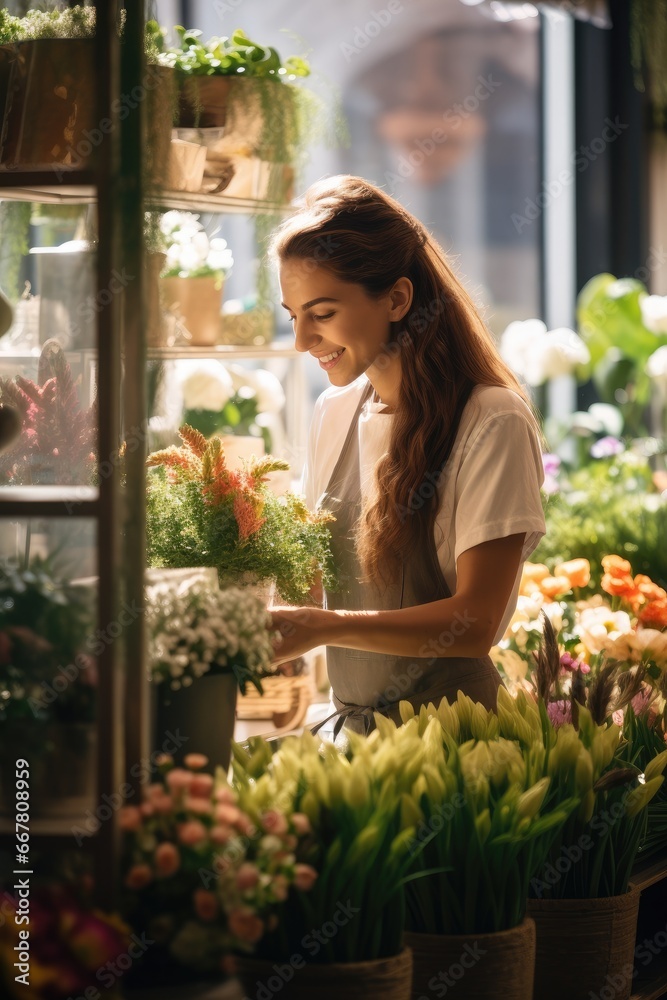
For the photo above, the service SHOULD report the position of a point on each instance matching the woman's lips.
(331, 364)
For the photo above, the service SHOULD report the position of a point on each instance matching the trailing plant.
(14, 226)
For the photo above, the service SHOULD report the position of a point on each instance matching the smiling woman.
(425, 449)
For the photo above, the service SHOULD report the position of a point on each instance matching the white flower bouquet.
(209, 631)
(190, 252)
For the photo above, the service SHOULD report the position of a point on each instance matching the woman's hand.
(300, 629)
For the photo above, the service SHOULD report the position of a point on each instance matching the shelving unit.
(650, 876)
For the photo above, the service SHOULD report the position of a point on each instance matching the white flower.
(656, 366)
(597, 626)
(538, 354)
(205, 384)
(654, 312)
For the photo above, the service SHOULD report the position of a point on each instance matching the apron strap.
(364, 712)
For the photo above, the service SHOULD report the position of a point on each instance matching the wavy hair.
(363, 236)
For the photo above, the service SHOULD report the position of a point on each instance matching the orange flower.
(654, 614)
(552, 586)
(578, 572)
(615, 566)
(619, 586)
(246, 516)
(649, 590)
(535, 571)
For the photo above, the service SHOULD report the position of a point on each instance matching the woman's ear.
(400, 298)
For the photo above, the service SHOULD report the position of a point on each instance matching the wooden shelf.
(274, 349)
(648, 872)
(77, 188)
(49, 501)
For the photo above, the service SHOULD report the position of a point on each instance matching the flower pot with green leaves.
(193, 276)
(205, 645)
(48, 680)
(201, 513)
(48, 94)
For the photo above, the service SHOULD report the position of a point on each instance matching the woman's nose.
(304, 336)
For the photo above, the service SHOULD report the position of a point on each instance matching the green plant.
(645, 736)
(225, 56)
(200, 513)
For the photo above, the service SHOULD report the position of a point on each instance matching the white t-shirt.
(491, 485)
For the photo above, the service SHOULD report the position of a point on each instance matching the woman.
(425, 449)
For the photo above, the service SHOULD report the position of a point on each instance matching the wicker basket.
(585, 946)
(382, 979)
(487, 966)
(285, 701)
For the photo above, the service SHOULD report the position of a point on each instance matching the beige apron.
(363, 682)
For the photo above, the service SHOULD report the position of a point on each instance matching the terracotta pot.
(585, 946)
(382, 979)
(204, 102)
(486, 965)
(155, 326)
(195, 301)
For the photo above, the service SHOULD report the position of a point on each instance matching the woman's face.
(333, 317)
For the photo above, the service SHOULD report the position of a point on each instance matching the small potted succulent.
(193, 275)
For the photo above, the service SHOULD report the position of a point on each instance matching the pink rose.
(304, 877)
(163, 804)
(274, 822)
(167, 859)
(192, 832)
(225, 794)
(201, 785)
(280, 887)
(227, 814)
(147, 808)
(220, 834)
(301, 824)
(138, 877)
(245, 925)
(206, 904)
(247, 876)
(245, 825)
(155, 791)
(179, 779)
(195, 761)
(130, 818)
(197, 805)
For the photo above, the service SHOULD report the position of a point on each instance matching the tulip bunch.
(360, 812)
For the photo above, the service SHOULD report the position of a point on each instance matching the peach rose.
(192, 832)
(220, 834)
(138, 877)
(130, 818)
(274, 822)
(206, 904)
(167, 859)
(163, 804)
(225, 795)
(301, 824)
(201, 785)
(578, 571)
(195, 761)
(304, 877)
(179, 779)
(147, 808)
(247, 876)
(227, 814)
(245, 925)
(197, 805)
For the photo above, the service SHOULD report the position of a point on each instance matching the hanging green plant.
(648, 48)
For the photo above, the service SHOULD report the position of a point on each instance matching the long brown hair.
(363, 236)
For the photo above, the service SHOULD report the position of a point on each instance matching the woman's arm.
(462, 625)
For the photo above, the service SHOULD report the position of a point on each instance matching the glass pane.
(48, 674)
(48, 366)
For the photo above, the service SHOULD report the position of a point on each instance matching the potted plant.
(48, 681)
(201, 513)
(47, 79)
(193, 275)
(583, 888)
(204, 646)
(487, 815)
(179, 841)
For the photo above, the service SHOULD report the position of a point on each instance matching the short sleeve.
(498, 484)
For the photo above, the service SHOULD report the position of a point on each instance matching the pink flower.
(192, 832)
(280, 887)
(304, 877)
(206, 904)
(570, 663)
(559, 712)
(179, 779)
(245, 825)
(163, 804)
(147, 808)
(198, 805)
(227, 814)
(220, 834)
(247, 876)
(618, 717)
(195, 761)
(163, 759)
(201, 785)
(274, 822)
(167, 859)
(130, 818)
(225, 794)
(138, 877)
(301, 824)
(245, 925)
(154, 791)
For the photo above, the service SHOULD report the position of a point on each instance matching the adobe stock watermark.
(364, 34)
(581, 158)
(446, 980)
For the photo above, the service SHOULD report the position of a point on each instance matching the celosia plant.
(202, 513)
(57, 442)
